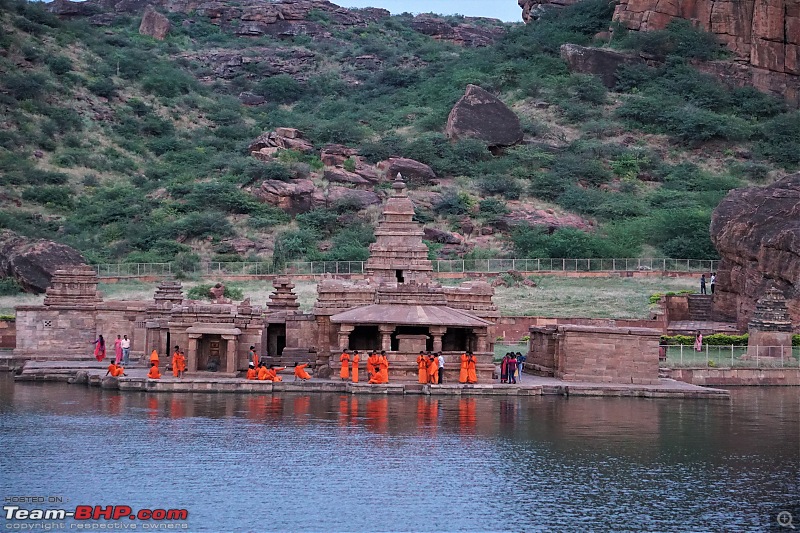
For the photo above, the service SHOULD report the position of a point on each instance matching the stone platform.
(93, 374)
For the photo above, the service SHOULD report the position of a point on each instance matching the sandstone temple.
(398, 308)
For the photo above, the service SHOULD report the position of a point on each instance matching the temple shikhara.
(398, 307)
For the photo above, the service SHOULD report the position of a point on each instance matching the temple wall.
(514, 328)
(122, 318)
(8, 334)
(53, 333)
(542, 348)
(600, 354)
(301, 331)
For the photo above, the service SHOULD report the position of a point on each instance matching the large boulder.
(533, 9)
(33, 262)
(281, 139)
(293, 197)
(484, 33)
(441, 236)
(339, 175)
(601, 62)
(757, 234)
(357, 198)
(411, 170)
(154, 24)
(483, 116)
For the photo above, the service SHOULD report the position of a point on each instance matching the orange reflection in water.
(377, 412)
(466, 415)
(302, 405)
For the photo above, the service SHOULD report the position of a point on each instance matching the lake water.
(329, 462)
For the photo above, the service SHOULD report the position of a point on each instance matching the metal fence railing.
(487, 266)
(732, 357)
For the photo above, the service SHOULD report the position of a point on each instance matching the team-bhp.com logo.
(14, 513)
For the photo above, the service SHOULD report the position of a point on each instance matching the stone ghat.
(92, 375)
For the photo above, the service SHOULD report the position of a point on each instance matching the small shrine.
(770, 328)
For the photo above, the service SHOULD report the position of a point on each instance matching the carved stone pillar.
(344, 335)
(481, 336)
(437, 332)
(191, 353)
(230, 353)
(386, 331)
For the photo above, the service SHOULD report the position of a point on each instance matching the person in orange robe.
(379, 377)
(472, 373)
(251, 372)
(154, 373)
(154, 358)
(345, 360)
(274, 372)
(114, 370)
(119, 372)
(372, 364)
(462, 374)
(383, 364)
(356, 359)
(300, 372)
(433, 370)
(264, 373)
(422, 366)
(176, 365)
(181, 364)
(254, 356)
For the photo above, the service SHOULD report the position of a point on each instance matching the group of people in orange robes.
(428, 367)
(467, 372)
(346, 371)
(378, 367)
(263, 373)
(178, 362)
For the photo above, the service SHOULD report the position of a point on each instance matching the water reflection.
(377, 463)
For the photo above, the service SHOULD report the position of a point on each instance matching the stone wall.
(599, 354)
(732, 377)
(8, 334)
(514, 328)
(47, 333)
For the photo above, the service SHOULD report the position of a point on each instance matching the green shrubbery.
(201, 292)
(9, 287)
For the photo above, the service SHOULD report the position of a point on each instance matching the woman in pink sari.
(698, 342)
(118, 349)
(100, 348)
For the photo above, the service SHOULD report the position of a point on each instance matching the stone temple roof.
(409, 315)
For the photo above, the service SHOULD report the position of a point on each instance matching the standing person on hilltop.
(703, 284)
(713, 281)
(118, 350)
(99, 348)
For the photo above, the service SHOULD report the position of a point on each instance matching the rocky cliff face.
(764, 35)
(533, 9)
(757, 233)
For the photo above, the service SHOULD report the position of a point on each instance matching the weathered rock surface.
(256, 62)
(336, 194)
(334, 155)
(411, 170)
(270, 142)
(339, 175)
(293, 197)
(533, 9)
(441, 236)
(248, 98)
(466, 34)
(33, 262)
(763, 34)
(601, 62)
(757, 233)
(154, 24)
(529, 214)
(481, 115)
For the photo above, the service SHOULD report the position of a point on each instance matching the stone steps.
(701, 307)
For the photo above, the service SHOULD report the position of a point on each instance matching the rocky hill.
(180, 130)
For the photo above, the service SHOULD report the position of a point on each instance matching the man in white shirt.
(440, 360)
(126, 349)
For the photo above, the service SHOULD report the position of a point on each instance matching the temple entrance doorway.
(276, 339)
(456, 340)
(210, 353)
(411, 330)
(365, 338)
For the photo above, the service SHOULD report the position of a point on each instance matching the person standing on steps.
(126, 350)
(99, 348)
(713, 282)
(703, 284)
(118, 350)
(440, 363)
